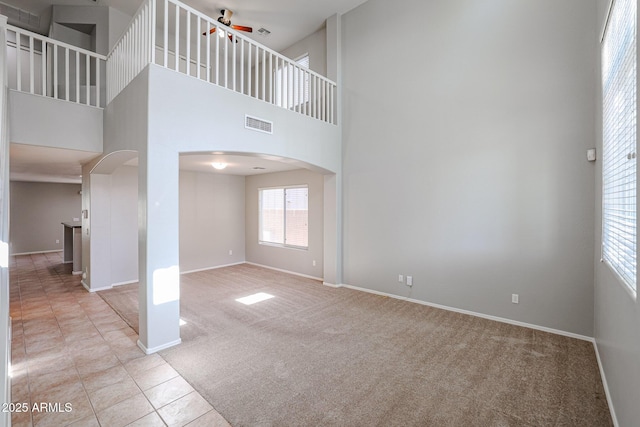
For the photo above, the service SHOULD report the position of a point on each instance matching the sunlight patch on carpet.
(255, 298)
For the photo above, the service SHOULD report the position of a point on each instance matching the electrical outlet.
(400, 278)
(314, 263)
(57, 240)
(409, 281)
(230, 252)
(515, 299)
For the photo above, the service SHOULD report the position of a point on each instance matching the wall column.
(158, 249)
(5, 332)
(333, 183)
(332, 247)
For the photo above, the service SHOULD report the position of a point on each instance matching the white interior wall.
(212, 220)
(98, 266)
(73, 37)
(617, 314)
(295, 260)
(118, 24)
(93, 15)
(467, 169)
(85, 135)
(124, 225)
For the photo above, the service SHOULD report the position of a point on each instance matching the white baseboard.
(331, 285)
(605, 385)
(284, 271)
(93, 290)
(128, 282)
(158, 348)
(38, 252)
(212, 268)
(473, 313)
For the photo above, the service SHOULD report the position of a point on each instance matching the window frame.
(615, 233)
(284, 188)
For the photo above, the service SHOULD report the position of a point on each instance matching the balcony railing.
(175, 36)
(43, 66)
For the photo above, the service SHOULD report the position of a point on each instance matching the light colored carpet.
(314, 355)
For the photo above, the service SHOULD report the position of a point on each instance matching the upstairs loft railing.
(43, 66)
(175, 36)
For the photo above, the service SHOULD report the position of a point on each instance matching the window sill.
(278, 245)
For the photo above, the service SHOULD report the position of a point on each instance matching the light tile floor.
(69, 347)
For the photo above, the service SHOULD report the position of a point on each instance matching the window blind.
(296, 218)
(304, 62)
(619, 141)
(292, 85)
(272, 216)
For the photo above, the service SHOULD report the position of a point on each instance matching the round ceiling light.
(219, 165)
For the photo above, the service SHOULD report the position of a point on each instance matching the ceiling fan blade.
(211, 31)
(242, 28)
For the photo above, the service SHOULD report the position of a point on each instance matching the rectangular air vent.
(257, 124)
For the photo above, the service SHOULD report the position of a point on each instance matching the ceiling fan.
(225, 19)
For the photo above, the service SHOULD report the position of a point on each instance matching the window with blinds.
(283, 216)
(292, 84)
(619, 142)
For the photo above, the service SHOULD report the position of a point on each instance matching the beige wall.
(296, 260)
(316, 46)
(467, 169)
(37, 211)
(211, 220)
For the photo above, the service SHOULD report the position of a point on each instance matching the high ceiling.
(288, 21)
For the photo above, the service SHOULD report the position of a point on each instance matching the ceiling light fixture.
(219, 165)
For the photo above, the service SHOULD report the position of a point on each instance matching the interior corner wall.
(617, 314)
(295, 260)
(96, 15)
(70, 36)
(316, 46)
(118, 24)
(37, 212)
(212, 220)
(464, 158)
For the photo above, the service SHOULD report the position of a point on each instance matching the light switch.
(591, 155)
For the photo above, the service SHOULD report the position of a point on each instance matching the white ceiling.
(237, 164)
(288, 20)
(45, 164)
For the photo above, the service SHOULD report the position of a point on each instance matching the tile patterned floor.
(70, 347)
